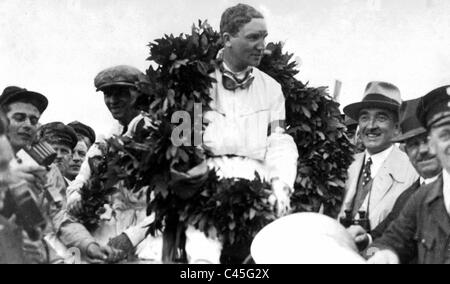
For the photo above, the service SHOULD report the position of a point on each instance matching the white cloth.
(378, 160)
(237, 136)
(446, 188)
(239, 122)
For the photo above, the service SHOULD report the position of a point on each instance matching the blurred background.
(57, 47)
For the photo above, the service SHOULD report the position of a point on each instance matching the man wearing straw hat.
(415, 138)
(378, 176)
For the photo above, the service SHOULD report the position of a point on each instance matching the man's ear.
(226, 37)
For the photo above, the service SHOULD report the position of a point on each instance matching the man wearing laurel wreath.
(245, 128)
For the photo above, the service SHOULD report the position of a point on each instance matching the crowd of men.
(399, 182)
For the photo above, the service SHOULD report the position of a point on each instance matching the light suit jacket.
(394, 177)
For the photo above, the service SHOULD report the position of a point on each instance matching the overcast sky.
(58, 46)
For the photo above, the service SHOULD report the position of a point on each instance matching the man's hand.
(280, 197)
(74, 204)
(360, 236)
(30, 174)
(384, 257)
(34, 251)
(103, 254)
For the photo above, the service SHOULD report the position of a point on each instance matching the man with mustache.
(415, 138)
(422, 230)
(246, 131)
(378, 176)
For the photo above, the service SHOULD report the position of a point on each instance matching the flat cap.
(434, 108)
(13, 94)
(58, 133)
(83, 130)
(122, 75)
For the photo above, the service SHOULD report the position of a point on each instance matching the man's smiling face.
(23, 119)
(377, 127)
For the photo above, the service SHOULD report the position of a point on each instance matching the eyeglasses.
(231, 82)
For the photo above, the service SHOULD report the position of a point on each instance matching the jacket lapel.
(352, 182)
(392, 171)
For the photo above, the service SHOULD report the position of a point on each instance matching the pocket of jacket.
(426, 245)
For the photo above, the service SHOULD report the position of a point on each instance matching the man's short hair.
(234, 18)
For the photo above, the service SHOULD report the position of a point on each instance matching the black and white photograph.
(245, 133)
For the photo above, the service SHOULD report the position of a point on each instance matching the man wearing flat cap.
(119, 85)
(86, 137)
(415, 139)
(422, 230)
(378, 176)
(125, 229)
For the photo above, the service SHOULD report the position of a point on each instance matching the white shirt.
(378, 160)
(446, 189)
(238, 126)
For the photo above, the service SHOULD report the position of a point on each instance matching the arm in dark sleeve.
(399, 236)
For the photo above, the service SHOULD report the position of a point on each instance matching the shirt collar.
(378, 159)
(239, 75)
(428, 180)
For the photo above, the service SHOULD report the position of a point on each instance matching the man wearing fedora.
(422, 230)
(415, 139)
(382, 172)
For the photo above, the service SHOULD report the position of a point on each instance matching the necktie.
(367, 173)
(363, 191)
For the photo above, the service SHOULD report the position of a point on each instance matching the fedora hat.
(377, 95)
(410, 125)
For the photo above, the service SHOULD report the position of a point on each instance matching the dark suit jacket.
(423, 228)
(396, 210)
